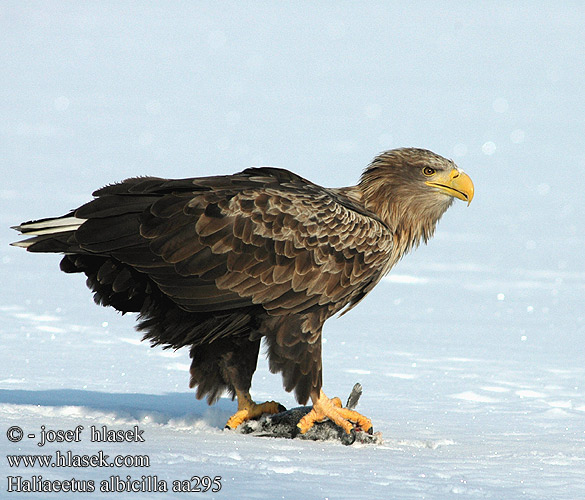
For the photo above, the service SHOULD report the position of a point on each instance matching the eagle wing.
(263, 237)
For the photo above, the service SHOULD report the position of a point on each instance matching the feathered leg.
(238, 368)
(229, 364)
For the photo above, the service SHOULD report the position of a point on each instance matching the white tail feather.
(45, 227)
(22, 244)
(49, 226)
(52, 230)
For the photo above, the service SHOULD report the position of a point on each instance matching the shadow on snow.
(161, 408)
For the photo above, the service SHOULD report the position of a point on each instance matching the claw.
(348, 439)
(248, 410)
(323, 408)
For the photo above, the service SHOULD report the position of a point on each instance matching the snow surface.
(471, 354)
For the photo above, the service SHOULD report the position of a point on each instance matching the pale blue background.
(93, 92)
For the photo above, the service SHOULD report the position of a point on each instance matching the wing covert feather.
(285, 247)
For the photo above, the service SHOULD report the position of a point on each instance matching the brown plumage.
(219, 263)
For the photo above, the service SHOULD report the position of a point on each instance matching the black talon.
(281, 408)
(348, 439)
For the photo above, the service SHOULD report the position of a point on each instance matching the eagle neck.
(402, 214)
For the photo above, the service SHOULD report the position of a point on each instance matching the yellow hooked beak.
(455, 183)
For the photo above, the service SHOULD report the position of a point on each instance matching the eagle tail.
(50, 235)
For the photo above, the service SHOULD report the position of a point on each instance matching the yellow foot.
(323, 408)
(248, 410)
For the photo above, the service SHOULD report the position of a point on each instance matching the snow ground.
(471, 352)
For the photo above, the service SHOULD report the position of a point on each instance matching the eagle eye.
(428, 171)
